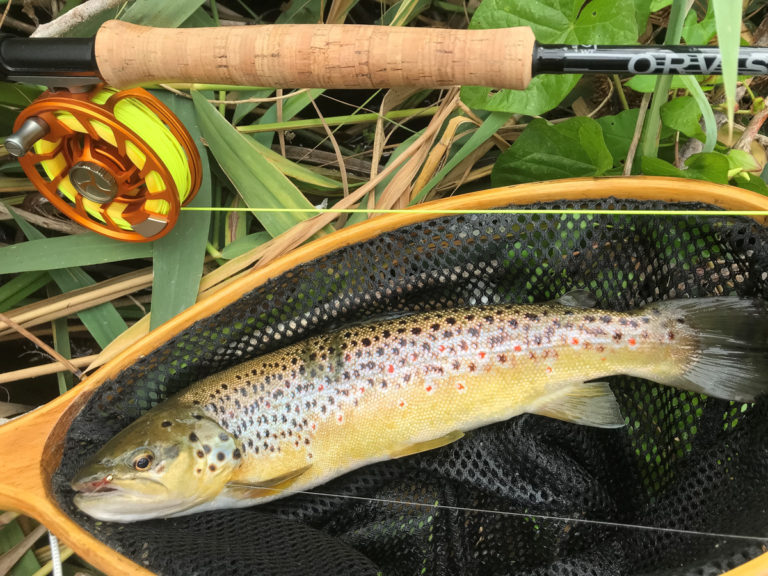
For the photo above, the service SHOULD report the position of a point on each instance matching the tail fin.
(731, 356)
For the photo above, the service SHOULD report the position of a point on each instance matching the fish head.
(167, 462)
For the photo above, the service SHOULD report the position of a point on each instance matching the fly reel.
(119, 163)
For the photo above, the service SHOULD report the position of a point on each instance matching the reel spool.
(119, 163)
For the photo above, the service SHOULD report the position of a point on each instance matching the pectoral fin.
(428, 445)
(588, 403)
(269, 482)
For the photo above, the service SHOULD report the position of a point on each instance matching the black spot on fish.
(435, 326)
(224, 387)
(193, 437)
(166, 423)
(236, 454)
(606, 319)
(513, 323)
(198, 470)
(200, 454)
(196, 402)
(415, 330)
(502, 358)
(531, 316)
(469, 317)
(197, 416)
(680, 321)
(589, 318)
(206, 448)
(451, 320)
(488, 319)
(212, 468)
(223, 436)
(617, 335)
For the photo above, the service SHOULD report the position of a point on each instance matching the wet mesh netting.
(509, 498)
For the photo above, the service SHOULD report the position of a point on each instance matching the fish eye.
(143, 461)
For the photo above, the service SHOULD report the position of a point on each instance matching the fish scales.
(369, 391)
(299, 416)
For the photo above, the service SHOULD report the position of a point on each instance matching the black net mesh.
(507, 499)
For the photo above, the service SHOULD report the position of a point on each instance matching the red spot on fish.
(459, 386)
(518, 348)
(632, 341)
(602, 359)
(414, 356)
(549, 369)
(314, 426)
(482, 354)
(390, 368)
(320, 388)
(428, 388)
(575, 341)
(268, 405)
(441, 348)
(401, 404)
(362, 389)
(340, 418)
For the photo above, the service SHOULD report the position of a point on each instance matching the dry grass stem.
(44, 369)
(40, 344)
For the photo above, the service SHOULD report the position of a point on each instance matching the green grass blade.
(21, 286)
(487, 129)
(260, 184)
(294, 170)
(244, 244)
(67, 251)
(102, 321)
(165, 14)
(179, 256)
(649, 141)
(62, 345)
(710, 124)
(728, 24)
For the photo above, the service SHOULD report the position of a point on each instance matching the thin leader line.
(607, 523)
(448, 211)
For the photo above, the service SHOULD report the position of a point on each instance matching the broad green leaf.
(165, 14)
(67, 251)
(647, 82)
(179, 255)
(751, 182)
(553, 22)
(699, 33)
(198, 19)
(486, 130)
(550, 151)
(244, 244)
(62, 345)
(102, 321)
(710, 166)
(728, 23)
(618, 131)
(260, 184)
(294, 170)
(683, 114)
(741, 161)
(659, 4)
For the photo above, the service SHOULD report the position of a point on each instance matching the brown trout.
(297, 417)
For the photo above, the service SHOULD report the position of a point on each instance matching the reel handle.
(317, 56)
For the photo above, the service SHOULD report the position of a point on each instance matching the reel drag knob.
(119, 163)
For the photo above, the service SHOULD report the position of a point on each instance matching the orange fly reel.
(119, 163)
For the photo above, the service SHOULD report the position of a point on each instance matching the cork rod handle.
(315, 56)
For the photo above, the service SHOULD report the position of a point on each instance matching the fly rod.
(337, 56)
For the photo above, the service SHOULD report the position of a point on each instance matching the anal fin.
(427, 445)
(587, 403)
